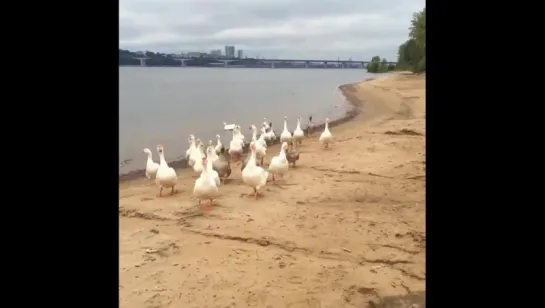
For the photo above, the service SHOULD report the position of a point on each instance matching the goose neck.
(162, 159)
(252, 160)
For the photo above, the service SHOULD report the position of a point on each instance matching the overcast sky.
(296, 29)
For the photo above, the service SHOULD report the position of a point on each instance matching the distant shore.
(352, 109)
(247, 66)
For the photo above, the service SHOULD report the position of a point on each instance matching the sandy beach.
(345, 228)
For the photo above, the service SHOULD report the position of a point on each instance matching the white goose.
(208, 166)
(211, 152)
(151, 166)
(326, 137)
(270, 134)
(264, 134)
(286, 135)
(219, 145)
(266, 124)
(166, 176)
(239, 134)
(191, 140)
(279, 164)
(235, 146)
(260, 145)
(298, 134)
(198, 154)
(205, 186)
(252, 175)
(194, 153)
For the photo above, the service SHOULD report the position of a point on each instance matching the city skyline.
(295, 29)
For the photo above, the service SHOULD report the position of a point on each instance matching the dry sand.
(346, 228)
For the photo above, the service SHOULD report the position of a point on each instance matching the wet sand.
(345, 228)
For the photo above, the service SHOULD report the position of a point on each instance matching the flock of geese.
(214, 164)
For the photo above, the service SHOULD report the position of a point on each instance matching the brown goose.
(292, 154)
(222, 165)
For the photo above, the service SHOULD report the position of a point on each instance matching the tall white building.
(240, 53)
(229, 51)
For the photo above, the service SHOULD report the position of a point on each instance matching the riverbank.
(346, 227)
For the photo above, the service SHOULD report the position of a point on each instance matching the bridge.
(142, 60)
(273, 62)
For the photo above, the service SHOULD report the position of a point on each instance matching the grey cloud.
(283, 28)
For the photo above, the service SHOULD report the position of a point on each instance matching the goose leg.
(273, 179)
(172, 191)
(255, 193)
(262, 162)
(160, 192)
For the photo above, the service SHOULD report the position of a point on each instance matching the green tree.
(379, 66)
(412, 53)
(418, 29)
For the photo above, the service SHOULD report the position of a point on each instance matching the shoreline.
(353, 108)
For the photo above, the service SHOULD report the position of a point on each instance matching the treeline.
(412, 54)
(155, 59)
(378, 66)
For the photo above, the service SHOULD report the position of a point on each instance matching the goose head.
(210, 143)
(147, 151)
(160, 149)
(218, 137)
(284, 146)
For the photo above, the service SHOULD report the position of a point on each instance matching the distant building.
(195, 54)
(215, 53)
(229, 51)
(240, 53)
